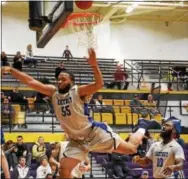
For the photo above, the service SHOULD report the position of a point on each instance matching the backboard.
(52, 15)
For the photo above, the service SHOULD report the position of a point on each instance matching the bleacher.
(79, 66)
(83, 72)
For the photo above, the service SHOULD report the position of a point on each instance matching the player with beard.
(85, 134)
(166, 155)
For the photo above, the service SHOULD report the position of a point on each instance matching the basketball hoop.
(83, 24)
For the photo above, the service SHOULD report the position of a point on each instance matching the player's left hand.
(92, 60)
(168, 170)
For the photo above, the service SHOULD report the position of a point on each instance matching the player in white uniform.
(84, 133)
(58, 153)
(166, 155)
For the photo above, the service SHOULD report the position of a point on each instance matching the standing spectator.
(120, 78)
(39, 149)
(21, 170)
(67, 53)
(59, 69)
(23, 150)
(29, 58)
(136, 105)
(7, 112)
(44, 169)
(145, 175)
(17, 61)
(4, 59)
(151, 105)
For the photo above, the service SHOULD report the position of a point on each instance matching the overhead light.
(129, 9)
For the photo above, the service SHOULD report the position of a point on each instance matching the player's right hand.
(92, 60)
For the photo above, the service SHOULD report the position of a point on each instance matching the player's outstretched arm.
(143, 162)
(92, 88)
(29, 81)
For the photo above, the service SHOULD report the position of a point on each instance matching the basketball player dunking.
(84, 133)
(167, 155)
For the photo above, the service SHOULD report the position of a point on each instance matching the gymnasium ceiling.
(167, 11)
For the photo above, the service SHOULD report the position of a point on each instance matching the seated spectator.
(67, 53)
(136, 105)
(44, 169)
(10, 153)
(7, 112)
(120, 77)
(151, 105)
(39, 149)
(100, 106)
(17, 97)
(23, 150)
(99, 103)
(120, 168)
(145, 175)
(4, 59)
(17, 61)
(29, 58)
(21, 170)
(42, 103)
(59, 69)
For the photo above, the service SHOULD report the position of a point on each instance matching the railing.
(63, 58)
(162, 69)
(45, 119)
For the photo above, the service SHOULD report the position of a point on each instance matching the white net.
(84, 29)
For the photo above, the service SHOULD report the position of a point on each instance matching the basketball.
(84, 4)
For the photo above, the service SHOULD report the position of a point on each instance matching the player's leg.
(104, 140)
(66, 167)
(130, 147)
(74, 153)
(136, 138)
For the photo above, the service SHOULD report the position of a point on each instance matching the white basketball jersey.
(163, 156)
(69, 110)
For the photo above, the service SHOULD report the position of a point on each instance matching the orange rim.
(83, 15)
